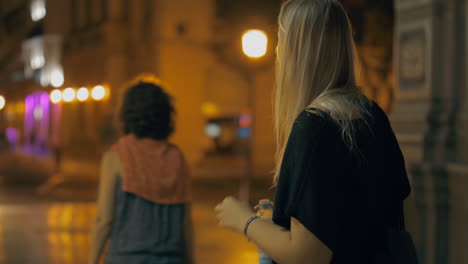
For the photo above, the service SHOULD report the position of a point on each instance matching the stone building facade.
(430, 118)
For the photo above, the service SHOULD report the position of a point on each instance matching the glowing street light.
(38, 10)
(55, 96)
(2, 102)
(56, 78)
(68, 95)
(254, 46)
(37, 61)
(254, 43)
(98, 92)
(82, 94)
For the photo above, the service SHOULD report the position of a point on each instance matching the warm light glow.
(38, 10)
(56, 78)
(210, 109)
(2, 102)
(98, 92)
(37, 61)
(82, 94)
(254, 43)
(55, 96)
(68, 95)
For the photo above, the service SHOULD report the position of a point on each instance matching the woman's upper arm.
(307, 246)
(108, 181)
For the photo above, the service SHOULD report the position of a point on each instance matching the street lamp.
(82, 94)
(68, 95)
(55, 96)
(254, 46)
(254, 43)
(98, 92)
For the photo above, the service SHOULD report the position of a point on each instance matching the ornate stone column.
(458, 141)
(427, 118)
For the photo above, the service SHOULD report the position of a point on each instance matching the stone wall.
(430, 121)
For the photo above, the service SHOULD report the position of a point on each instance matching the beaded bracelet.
(251, 219)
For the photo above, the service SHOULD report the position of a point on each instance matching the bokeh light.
(213, 130)
(56, 78)
(38, 10)
(245, 120)
(244, 132)
(55, 96)
(82, 94)
(68, 95)
(37, 61)
(2, 102)
(210, 109)
(254, 43)
(38, 113)
(98, 92)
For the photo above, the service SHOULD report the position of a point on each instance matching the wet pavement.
(55, 228)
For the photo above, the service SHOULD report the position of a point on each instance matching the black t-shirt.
(345, 198)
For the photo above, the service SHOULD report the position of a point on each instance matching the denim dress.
(145, 232)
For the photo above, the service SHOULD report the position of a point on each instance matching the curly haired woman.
(144, 195)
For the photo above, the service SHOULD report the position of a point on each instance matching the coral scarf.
(154, 170)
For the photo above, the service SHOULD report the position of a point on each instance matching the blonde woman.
(340, 174)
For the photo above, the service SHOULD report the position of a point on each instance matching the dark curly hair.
(147, 111)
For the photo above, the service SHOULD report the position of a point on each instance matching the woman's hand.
(233, 214)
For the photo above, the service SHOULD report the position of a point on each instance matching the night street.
(54, 228)
(356, 109)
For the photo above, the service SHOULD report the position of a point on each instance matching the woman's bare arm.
(105, 206)
(297, 246)
(289, 247)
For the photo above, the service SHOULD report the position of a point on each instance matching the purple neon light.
(36, 131)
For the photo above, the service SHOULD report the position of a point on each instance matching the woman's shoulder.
(311, 122)
(110, 160)
(173, 149)
(110, 155)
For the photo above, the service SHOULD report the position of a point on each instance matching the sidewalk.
(59, 221)
(79, 179)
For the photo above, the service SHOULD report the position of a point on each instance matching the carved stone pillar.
(427, 118)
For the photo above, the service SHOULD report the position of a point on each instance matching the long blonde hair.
(316, 67)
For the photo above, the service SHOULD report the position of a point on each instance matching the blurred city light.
(37, 61)
(210, 109)
(254, 43)
(38, 10)
(56, 77)
(38, 113)
(213, 130)
(98, 92)
(55, 96)
(82, 94)
(245, 120)
(2, 102)
(244, 132)
(68, 95)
